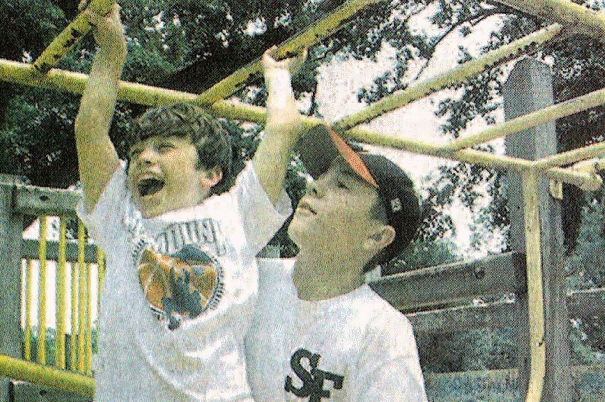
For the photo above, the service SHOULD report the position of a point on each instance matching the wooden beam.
(536, 229)
(29, 249)
(464, 318)
(33, 200)
(493, 275)
(585, 303)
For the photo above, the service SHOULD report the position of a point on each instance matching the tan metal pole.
(69, 36)
(456, 75)
(534, 286)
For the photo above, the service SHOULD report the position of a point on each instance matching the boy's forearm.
(97, 157)
(283, 127)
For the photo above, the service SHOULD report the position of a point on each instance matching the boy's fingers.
(94, 18)
(83, 4)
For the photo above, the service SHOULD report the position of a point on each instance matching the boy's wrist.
(278, 78)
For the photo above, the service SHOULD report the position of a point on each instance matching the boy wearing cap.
(320, 333)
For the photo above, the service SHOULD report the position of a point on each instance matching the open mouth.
(150, 186)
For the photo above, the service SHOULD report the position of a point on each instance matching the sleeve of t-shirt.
(389, 369)
(105, 221)
(260, 218)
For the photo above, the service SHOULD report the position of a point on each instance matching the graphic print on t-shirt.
(182, 285)
(314, 381)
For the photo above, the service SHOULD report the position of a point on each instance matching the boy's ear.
(211, 177)
(381, 237)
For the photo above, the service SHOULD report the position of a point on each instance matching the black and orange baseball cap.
(318, 147)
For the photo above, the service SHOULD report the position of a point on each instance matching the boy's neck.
(324, 278)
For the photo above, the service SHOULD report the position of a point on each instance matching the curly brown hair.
(185, 120)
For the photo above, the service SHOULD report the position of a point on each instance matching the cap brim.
(320, 145)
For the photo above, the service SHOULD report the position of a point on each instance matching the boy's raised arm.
(283, 126)
(97, 157)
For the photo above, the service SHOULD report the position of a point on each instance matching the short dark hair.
(203, 130)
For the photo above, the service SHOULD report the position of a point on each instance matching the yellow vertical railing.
(27, 342)
(88, 334)
(41, 350)
(81, 297)
(61, 290)
(74, 317)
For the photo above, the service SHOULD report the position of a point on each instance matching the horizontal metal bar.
(21, 73)
(18, 369)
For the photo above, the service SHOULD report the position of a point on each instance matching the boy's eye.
(134, 153)
(164, 147)
(341, 184)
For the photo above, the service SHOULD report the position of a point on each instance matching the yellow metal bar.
(534, 286)
(69, 36)
(81, 297)
(583, 180)
(573, 156)
(317, 31)
(41, 349)
(44, 375)
(565, 12)
(521, 123)
(73, 355)
(29, 280)
(151, 96)
(459, 74)
(100, 277)
(88, 339)
(61, 291)
(22, 73)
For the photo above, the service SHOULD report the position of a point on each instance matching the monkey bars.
(564, 13)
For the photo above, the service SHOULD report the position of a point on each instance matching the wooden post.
(529, 88)
(11, 228)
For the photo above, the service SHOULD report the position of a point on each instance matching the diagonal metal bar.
(569, 107)
(565, 12)
(316, 32)
(573, 156)
(69, 36)
(449, 78)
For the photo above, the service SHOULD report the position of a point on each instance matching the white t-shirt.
(139, 358)
(354, 347)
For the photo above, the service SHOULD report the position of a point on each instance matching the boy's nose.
(148, 155)
(315, 188)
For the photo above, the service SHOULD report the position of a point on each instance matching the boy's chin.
(151, 208)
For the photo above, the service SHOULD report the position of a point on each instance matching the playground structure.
(532, 272)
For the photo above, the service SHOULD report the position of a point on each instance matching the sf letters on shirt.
(313, 379)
